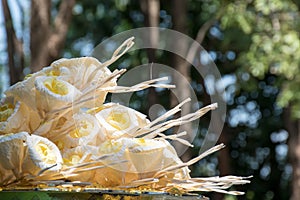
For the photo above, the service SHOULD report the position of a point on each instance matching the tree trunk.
(47, 39)
(39, 33)
(151, 10)
(14, 47)
(293, 127)
(179, 17)
(182, 92)
(179, 20)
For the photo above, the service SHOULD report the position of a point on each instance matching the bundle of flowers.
(55, 127)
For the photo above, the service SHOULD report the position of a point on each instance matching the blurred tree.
(47, 37)
(14, 47)
(272, 27)
(150, 9)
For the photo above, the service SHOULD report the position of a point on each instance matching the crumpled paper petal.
(53, 93)
(85, 130)
(120, 121)
(24, 91)
(41, 154)
(12, 152)
(144, 158)
(84, 73)
(18, 117)
(75, 156)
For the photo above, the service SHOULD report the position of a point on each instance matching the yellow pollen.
(72, 160)
(141, 141)
(53, 73)
(56, 86)
(83, 129)
(27, 76)
(46, 154)
(118, 120)
(110, 147)
(6, 111)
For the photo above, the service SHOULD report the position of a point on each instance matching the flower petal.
(12, 151)
(17, 118)
(53, 93)
(75, 156)
(41, 154)
(81, 72)
(120, 121)
(84, 130)
(24, 91)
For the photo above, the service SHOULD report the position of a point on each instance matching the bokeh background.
(255, 45)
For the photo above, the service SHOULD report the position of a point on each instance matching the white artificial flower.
(53, 93)
(138, 152)
(41, 154)
(75, 156)
(82, 129)
(77, 71)
(24, 91)
(144, 150)
(161, 153)
(12, 152)
(85, 73)
(119, 170)
(17, 117)
(144, 157)
(120, 121)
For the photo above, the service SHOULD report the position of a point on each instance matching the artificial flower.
(24, 91)
(53, 93)
(12, 152)
(136, 154)
(119, 121)
(17, 117)
(88, 75)
(41, 154)
(82, 129)
(76, 156)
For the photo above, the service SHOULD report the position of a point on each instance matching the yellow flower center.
(141, 141)
(72, 160)
(83, 129)
(6, 111)
(53, 73)
(27, 76)
(109, 147)
(46, 154)
(56, 86)
(118, 120)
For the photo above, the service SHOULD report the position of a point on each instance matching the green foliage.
(273, 27)
(264, 35)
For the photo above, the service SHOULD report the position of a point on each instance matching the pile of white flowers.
(54, 125)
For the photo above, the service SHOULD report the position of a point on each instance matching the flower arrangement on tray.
(56, 129)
